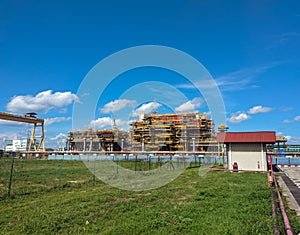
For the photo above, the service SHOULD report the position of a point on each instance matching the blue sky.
(250, 48)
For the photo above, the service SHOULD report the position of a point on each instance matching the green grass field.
(43, 201)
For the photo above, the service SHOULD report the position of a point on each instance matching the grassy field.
(216, 203)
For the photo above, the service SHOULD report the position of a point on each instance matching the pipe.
(274, 213)
(286, 221)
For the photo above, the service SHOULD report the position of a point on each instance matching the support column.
(193, 144)
(84, 144)
(91, 144)
(143, 146)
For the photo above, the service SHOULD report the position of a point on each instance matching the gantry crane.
(32, 119)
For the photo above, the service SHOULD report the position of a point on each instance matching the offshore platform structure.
(97, 140)
(37, 142)
(172, 132)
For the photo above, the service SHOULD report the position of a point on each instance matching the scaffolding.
(97, 140)
(152, 132)
(172, 132)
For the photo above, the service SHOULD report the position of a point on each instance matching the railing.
(285, 161)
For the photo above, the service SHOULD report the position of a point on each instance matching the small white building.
(15, 145)
(247, 149)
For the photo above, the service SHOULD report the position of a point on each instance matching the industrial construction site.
(151, 133)
(149, 117)
(164, 144)
(189, 133)
(184, 132)
(160, 144)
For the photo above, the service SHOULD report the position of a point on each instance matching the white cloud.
(101, 122)
(241, 116)
(117, 105)
(7, 136)
(286, 109)
(237, 80)
(12, 123)
(145, 108)
(58, 141)
(13, 135)
(292, 139)
(283, 39)
(242, 79)
(190, 105)
(296, 119)
(238, 117)
(206, 83)
(49, 121)
(42, 102)
(60, 136)
(259, 109)
(106, 122)
(288, 137)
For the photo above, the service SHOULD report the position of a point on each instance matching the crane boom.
(19, 118)
(38, 122)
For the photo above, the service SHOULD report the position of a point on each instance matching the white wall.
(249, 156)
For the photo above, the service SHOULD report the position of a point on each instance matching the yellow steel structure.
(172, 132)
(97, 140)
(37, 122)
(281, 138)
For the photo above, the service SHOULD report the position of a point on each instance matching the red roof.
(247, 137)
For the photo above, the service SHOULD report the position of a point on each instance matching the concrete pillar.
(91, 145)
(143, 146)
(84, 144)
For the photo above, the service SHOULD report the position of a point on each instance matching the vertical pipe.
(229, 157)
(218, 145)
(84, 144)
(10, 176)
(91, 145)
(43, 138)
(143, 146)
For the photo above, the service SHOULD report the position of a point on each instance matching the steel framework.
(32, 119)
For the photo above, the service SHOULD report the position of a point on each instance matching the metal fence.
(27, 176)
